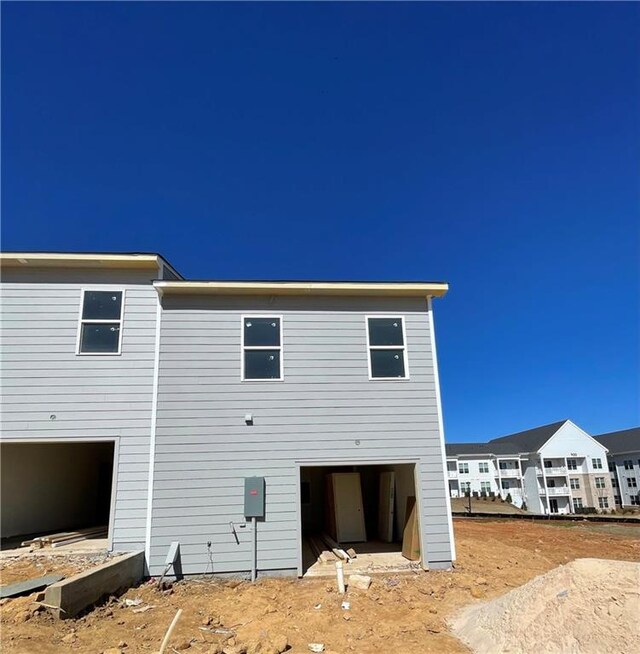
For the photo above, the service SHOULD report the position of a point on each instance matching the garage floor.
(373, 557)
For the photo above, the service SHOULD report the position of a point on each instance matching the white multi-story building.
(624, 465)
(556, 468)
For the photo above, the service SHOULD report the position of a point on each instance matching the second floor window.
(463, 468)
(597, 464)
(574, 483)
(100, 322)
(262, 348)
(387, 348)
(572, 464)
(628, 464)
(600, 482)
(631, 482)
(483, 467)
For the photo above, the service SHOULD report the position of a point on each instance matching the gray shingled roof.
(625, 440)
(530, 440)
(471, 449)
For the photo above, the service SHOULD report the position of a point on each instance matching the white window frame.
(600, 483)
(572, 464)
(90, 321)
(404, 347)
(279, 317)
(574, 483)
(463, 468)
(599, 464)
(577, 503)
(603, 502)
(483, 467)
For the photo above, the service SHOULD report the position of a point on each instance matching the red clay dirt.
(399, 613)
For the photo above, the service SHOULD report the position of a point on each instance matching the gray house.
(176, 396)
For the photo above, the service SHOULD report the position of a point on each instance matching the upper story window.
(572, 464)
(628, 464)
(600, 482)
(387, 348)
(262, 348)
(597, 464)
(463, 468)
(483, 466)
(100, 322)
(612, 466)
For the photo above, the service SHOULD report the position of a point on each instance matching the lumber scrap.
(335, 547)
(29, 586)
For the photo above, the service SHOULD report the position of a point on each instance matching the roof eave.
(410, 289)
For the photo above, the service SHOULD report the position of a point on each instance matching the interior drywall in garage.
(48, 487)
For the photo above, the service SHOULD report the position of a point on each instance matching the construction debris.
(29, 586)
(65, 538)
(359, 581)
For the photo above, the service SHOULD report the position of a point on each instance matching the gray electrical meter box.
(254, 497)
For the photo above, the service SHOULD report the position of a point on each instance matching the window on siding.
(597, 464)
(628, 464)
(631, 482)
(387, 349)
(635, 500)
(504, 484)
(574, 483)
(463, 468)
(100, 322)
(600, 482)
(485, 486)
(572, 464)
(614, 482)
(577, 503)
(483, 467)
(261, 348)
(603, 502)
(465, 487)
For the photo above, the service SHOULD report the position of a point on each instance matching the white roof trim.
(53, 259)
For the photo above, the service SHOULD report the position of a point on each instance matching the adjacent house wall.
(48, 392)
(629, 495)
(326, 410)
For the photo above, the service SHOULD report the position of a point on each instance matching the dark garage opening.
(46, 488)
(371, 501)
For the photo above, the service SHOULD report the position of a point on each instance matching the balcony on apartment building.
(553, 471)
(509, 472)
(554, 490)
(453, 474)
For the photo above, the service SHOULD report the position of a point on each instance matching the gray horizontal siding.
(326, 402)
(91, 396)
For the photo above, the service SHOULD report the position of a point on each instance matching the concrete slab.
(76, 593)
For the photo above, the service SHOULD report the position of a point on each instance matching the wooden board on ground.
(29, 586)
(411, 534)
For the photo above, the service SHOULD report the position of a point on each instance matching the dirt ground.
(399, 613)
(461, 505)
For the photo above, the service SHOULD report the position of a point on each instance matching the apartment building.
(556, 468)
(212, 413)
(624, 465)
(485, 468)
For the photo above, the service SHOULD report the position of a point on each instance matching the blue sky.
(494, 146)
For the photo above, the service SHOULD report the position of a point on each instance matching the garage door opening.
(51, 489)
(367, 509)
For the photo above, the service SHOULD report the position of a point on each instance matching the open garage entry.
(366, 510)
(54, 488)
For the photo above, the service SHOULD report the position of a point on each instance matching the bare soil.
(399, 613)
(485, 505)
